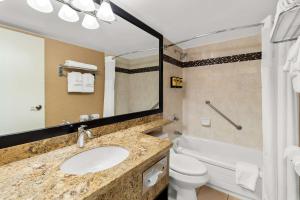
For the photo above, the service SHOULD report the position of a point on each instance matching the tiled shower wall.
(172, 96)
(136, 91)
(233, 87)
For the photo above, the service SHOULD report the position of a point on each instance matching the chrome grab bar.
(238, 127)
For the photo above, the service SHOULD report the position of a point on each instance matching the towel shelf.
(61, 68)
(287, 27)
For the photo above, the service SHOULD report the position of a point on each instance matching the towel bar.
(238, 127)
(60, 70)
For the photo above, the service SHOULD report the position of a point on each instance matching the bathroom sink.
(94, 160)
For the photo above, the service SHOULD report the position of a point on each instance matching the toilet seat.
(186, 165)
(186, 174)
(186, 180)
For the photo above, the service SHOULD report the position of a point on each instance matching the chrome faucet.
(81, 135)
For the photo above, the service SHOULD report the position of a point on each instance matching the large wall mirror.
(65, 68)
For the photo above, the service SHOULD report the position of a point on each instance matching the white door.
(22, 82)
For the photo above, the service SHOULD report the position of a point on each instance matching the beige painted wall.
(234, 88)
(61, 105)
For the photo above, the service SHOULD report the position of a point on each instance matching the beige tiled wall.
(121, 93)
(172, 96)
(136, 92)
(227, 48)
(234, 88)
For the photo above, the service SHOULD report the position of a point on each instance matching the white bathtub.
(220, 159)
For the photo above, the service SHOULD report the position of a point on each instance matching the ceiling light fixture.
(105, 12)
(90, 22)
(70, 9)
(84, 5)
(66, 13)
(43, 6)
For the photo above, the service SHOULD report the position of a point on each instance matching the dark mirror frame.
(35, 135)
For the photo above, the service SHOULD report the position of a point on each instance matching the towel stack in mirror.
(83, 83)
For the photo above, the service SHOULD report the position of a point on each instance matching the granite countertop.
(40, 178)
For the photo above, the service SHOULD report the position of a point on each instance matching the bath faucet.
(178, 133)
(81, 135)
(176, 146)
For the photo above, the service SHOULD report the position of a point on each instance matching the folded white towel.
(247, 175)
(291, 151)
(88, 83)
(74, 82)
(72, 63)
(296, 82)
(284, 5)
(292, 57)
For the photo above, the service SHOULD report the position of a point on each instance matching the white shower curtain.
(280, 120)
(109, 89)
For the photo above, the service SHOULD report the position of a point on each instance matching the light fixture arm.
(92, 13)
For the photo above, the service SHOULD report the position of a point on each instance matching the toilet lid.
(186, 165)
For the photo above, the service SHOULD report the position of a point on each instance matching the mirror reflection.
(56, 71)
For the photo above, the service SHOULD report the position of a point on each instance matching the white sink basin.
(94, 160)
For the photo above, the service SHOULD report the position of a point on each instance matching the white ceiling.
(175, 19)
(181, 19)
(116, 38)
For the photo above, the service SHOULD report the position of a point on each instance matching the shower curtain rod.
(193, 38)
(133, 52)
(203, 35)
(215, 32)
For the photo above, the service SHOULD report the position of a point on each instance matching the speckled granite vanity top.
(39, 177)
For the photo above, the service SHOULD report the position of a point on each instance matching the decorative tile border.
(138, 70)
(215, 61)
(122, 70)
(196, 63)
(172, 61)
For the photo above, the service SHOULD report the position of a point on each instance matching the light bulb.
(90, 22)
(68, 14)
(105, 12)
(44, 6)
(84, 5)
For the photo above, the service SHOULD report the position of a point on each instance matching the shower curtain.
(109, 89)
(280, 120)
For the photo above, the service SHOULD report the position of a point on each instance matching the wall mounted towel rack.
(238, 127)
(61, 68)
(287, 27)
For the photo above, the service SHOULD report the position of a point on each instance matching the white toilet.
(186, 174)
